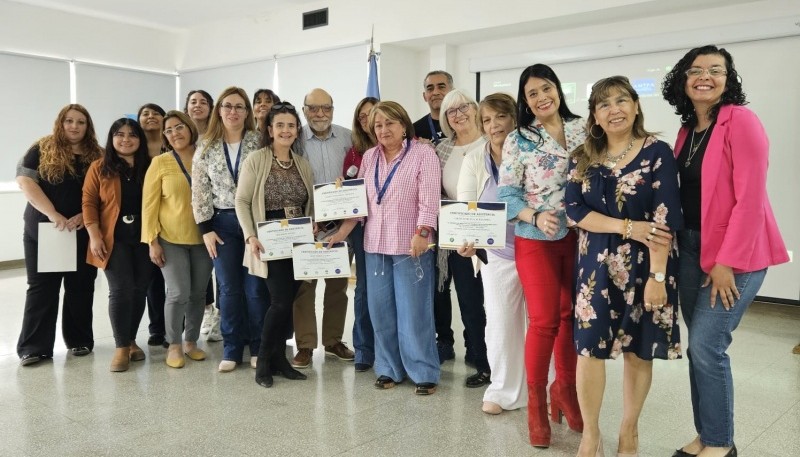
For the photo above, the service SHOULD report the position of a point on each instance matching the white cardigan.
(472, 180)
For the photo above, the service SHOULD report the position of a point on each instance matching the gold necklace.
(612, 161)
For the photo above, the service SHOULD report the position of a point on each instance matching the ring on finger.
(653, 230)
(649, 237)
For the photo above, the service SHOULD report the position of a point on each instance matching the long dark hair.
(282, 108)
(525, 118)
(113, 164)
(674, 86)
(205, 95)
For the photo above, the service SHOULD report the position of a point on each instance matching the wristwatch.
(423, 231)
(659, 277)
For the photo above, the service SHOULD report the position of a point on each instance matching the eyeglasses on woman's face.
(464, 108)
(179, 128)
(713, 72)
(227, 107)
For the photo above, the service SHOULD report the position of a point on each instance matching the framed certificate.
(481, 223)
(332, 202)
(315, 261)
(278, 236)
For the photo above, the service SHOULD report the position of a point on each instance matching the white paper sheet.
(57, 250)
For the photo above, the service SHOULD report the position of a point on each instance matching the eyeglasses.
(452, 112)
(283, 106)
(239, 108)
(315, 108)
(714, 72)
(362, 117)
(177, 129)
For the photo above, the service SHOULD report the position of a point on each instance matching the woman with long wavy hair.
(51, 177)
(112, 212)
(243, 298)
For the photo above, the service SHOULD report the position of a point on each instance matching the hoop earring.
(528, 110)
(404, 134)
(591, 132)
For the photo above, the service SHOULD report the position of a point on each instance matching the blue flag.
(372, 80)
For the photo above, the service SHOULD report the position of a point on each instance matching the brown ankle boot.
(137, 354)
(564, 401)
(538, 426)
(121, 359)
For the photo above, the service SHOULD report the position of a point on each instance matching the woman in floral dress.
(623, 196)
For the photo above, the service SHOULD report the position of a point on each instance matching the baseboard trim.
(777, 301)
(12, 264)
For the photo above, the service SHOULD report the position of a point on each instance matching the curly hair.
(113, 164)
(56, 156)
(592, 152)
(674, 86)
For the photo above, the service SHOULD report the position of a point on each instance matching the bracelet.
(533, 219)
(628, 228)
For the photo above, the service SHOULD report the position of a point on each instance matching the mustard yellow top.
(167, 203)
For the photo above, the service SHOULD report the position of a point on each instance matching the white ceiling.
(168, 15)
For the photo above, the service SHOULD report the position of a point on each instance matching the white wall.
(13, 205)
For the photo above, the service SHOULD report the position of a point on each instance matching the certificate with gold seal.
(316, 260)
(277, 236)
(343, 200)
(481, 223)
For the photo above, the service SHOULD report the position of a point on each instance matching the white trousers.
(506, 322)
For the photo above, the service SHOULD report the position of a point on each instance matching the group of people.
(599, 211)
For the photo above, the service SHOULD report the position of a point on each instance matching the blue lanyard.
(183, 169)
(382, 189)
(434, 133)
(234, 172)
(495, 172)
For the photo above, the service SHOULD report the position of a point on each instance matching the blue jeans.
(400, 296)
(243, 298)
(363, 335)
(710, 334)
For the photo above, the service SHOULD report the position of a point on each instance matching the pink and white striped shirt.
(411, 199)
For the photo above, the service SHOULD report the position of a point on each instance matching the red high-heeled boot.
(538, 426)
(564, 402)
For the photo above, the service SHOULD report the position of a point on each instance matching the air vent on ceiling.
(317, 18)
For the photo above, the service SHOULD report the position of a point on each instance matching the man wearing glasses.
(435, 86)
(325, 146)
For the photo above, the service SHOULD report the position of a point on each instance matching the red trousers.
(546, 270)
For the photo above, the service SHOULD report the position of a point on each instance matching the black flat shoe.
(80, 351)
(282, 366)
(362, 367)
(479, 380)
(264, 381)
(682, 453)
(385, 382)
(733, 452)
(30, 359)
(156, 340)
(425, 388)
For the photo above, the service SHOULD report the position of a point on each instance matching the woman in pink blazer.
(730, 236)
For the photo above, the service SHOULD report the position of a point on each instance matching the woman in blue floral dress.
(623, 196)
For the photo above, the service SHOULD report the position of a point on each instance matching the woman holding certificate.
(403, 187)
(51, 176)
(243, 298)
(276, 183)
(505, 301)
(460, 125)
(112, 212)
(533, 179)
(175, 243)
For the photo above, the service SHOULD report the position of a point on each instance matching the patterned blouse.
(212, 182)
(534, 175)
(284, 188)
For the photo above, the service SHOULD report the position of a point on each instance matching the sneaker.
(214, 334)
(303, 358)
(445, 351)
(208, 316)
(30, 359)
(340, 351)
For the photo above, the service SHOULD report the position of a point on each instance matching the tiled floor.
(75, 407)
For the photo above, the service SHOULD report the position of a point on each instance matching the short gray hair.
(454, 98)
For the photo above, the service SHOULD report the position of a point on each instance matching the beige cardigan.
(250, 199)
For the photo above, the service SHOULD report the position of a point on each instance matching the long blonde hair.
(55, 152)
(593, 151)
(216, 129)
